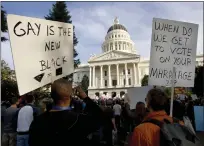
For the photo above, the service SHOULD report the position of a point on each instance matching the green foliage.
(9, 87)
(85, 83)
(167, 91)
(3, 23)
(60, 13)
(144, 81)
(198, 85)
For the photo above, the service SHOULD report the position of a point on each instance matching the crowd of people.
(75, 119)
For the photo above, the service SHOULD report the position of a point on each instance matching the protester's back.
(149, 133)
(62, 125)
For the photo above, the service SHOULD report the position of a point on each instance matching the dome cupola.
(118, 38)
(116, 25)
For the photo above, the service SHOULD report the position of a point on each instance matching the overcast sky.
(92, 20)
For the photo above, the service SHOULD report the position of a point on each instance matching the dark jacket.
(65, 127)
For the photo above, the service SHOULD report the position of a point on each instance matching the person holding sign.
(62, 125)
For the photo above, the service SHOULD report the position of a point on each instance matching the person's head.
(117, 101)
(61, 90)
(156, 100)
(29, 99)
(140, 108)
(14, 100)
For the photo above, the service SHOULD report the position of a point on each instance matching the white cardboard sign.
(42, 51)
(173, 44)
(138, 94)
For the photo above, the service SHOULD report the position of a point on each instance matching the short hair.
(14, 100)
(140, 102)
(29, 98)
(156, 99)
(117, 101)
(61, 88)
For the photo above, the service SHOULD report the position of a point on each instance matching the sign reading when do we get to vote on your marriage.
(173, 45)
(42, 51)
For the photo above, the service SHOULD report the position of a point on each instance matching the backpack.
(174, 134)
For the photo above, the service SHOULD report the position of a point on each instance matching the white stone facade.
(119, 67)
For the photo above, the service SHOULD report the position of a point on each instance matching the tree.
(3, 23)
(167, 91)
(60, 13)
(144, 81)
(85, 83)
(9, 86)
(198, 82)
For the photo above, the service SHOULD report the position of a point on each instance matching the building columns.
(126, 75)
(109, 76)
(101, 75)
(113, 45)
(109, 46)
(118, 80)
(135, 74)
(94, 83)
(90, 76)
(138, 75)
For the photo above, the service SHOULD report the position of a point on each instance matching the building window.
(112, 36)
(105, 73)
(118, 35)
(115, 36)
(129, 71)
(114, 82)
(129, 80)
(123, 72)
(106, 83)
(124, 82)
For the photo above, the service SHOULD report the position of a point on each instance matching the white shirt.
(117, 109)
(25, 118)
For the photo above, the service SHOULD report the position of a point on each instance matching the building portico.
(116, 69)
(114, 75)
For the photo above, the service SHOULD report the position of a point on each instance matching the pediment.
(113, 55)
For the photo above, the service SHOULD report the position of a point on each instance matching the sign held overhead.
(42, 51)
(173, 44)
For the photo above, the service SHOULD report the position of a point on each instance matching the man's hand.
(80, 92)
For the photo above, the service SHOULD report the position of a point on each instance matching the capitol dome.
(117, 26)
(118, 38)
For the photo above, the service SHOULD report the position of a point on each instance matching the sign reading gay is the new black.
(42, 51)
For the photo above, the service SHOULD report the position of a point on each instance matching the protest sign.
(173, 44)
(137, 94)
(42, 51)
(199, 118)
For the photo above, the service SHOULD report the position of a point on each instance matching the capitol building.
(119, 67)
